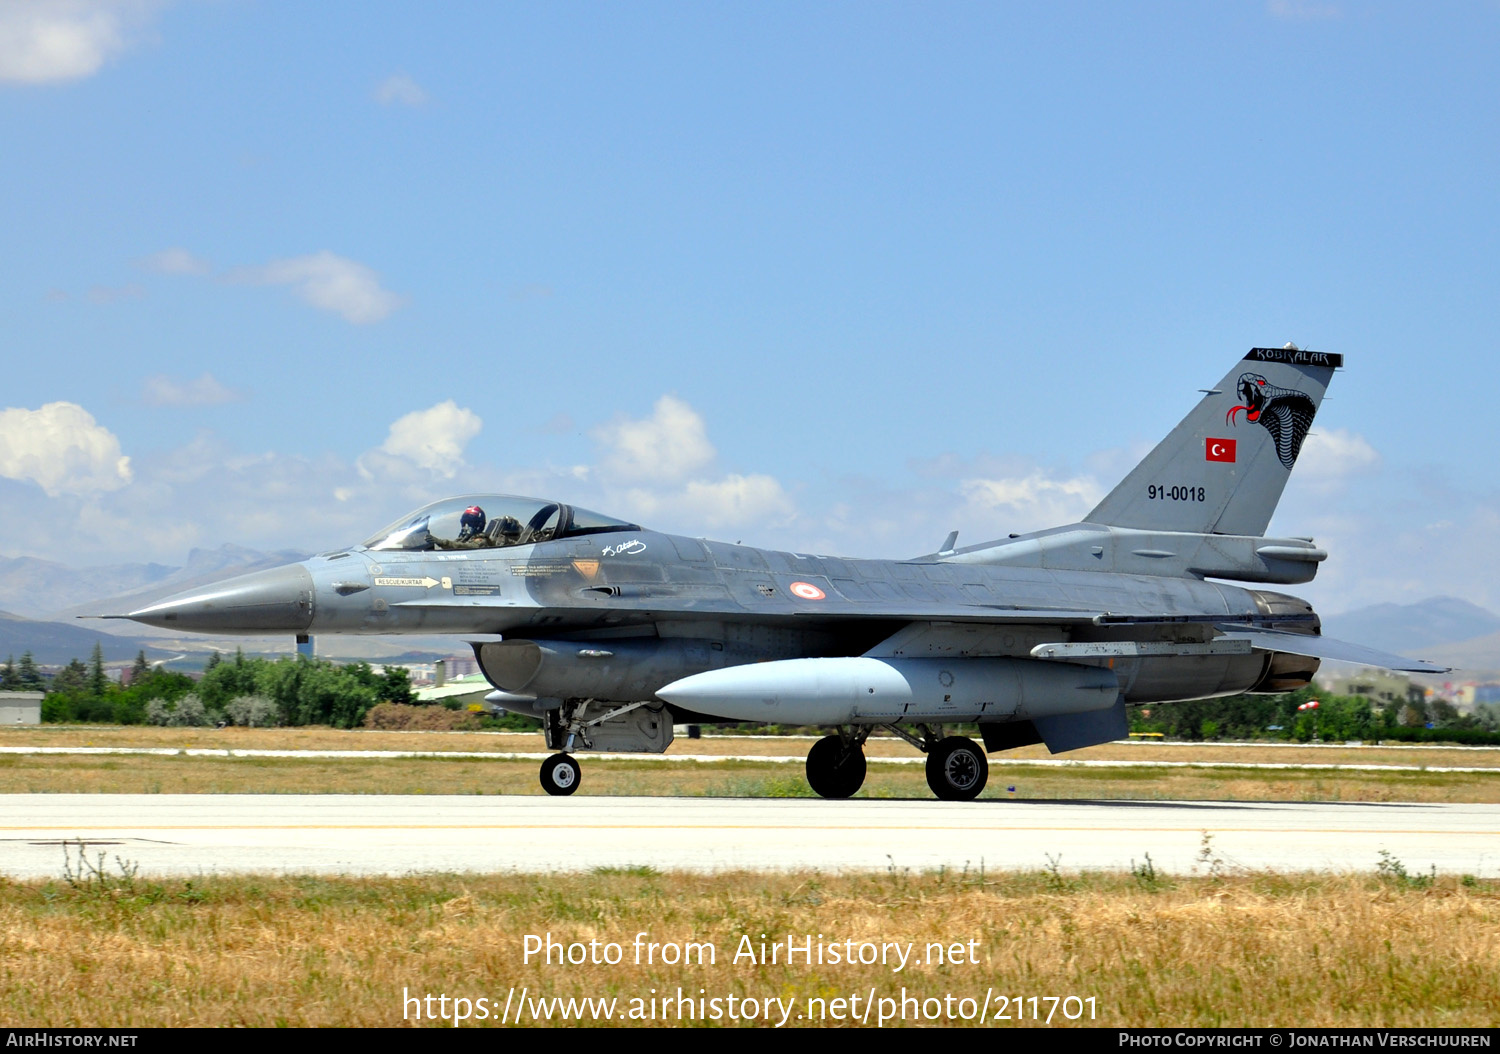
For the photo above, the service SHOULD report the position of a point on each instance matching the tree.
(98, 679)
(224, 681)
(10, 680)
(141, 667)
(129, 705)
(72, 679)
(1443, 713)
(29, 676)
(395, 685)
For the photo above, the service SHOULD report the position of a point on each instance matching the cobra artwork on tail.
(1284, 412)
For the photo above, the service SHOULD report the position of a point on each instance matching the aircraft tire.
(561, 774)
(957, 769)
(834, 771)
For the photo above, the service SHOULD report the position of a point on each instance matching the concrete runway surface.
(369, 834)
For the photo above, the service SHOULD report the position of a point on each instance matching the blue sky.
(836, 277)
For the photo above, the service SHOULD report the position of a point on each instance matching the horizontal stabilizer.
(1328, 648)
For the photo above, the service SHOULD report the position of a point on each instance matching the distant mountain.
(1413, 629)
(57, 643)
(47, 597)
(44, 589)
(1477, 659)
(204, 566)
(35, 588)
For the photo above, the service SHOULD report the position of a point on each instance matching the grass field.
(99, 946)
(182, 774)
(879, 745)
(151, 774)
(1145, 949)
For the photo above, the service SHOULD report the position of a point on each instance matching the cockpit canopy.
(490, 521)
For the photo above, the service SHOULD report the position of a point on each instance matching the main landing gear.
(836, 764)
(957, 768)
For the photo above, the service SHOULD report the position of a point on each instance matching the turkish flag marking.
(1218, 449)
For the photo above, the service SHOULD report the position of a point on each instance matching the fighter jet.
(610, 632)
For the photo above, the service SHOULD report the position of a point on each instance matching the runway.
(368, 834)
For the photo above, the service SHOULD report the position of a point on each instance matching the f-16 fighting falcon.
(610, 632)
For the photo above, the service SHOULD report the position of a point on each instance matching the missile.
(837, 691)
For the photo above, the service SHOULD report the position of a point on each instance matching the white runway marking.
(375, 834)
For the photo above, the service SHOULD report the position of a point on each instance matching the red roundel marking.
(807, 591)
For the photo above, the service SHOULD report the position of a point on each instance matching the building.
(20, 708)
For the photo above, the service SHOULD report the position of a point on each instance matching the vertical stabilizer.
(1222, 470)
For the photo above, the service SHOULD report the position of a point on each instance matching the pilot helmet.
(471, 522)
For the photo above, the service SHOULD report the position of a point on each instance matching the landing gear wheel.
(957, 769)
(835, 770)
(561, 774)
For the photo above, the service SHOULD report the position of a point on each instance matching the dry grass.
(880, 745)
(152, 774)
(312, 738)
(1250, 950)
(211, 775)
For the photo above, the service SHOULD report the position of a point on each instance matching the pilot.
(470, 531)
(471, 523)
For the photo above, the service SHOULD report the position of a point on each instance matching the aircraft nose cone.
(276, 601)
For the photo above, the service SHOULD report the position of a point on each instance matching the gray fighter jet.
(611, 632)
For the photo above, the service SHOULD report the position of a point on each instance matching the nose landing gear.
(561, 774)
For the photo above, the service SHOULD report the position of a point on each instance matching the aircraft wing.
(1326, 648)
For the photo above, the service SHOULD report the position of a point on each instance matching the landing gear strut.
(561, 774)
(836, 764)
(570, 728)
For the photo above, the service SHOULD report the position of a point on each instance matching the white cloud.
(431, 440)
(660, 470)
(667, 447)
(175, 260)
(62, 449)
(1032, 502)
(58, 40)
(1333, 453)
(206, 494)
(738, 500)
(206, 390)
(331, 282)
(733, 501)
(399, 88)
(323, 279)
